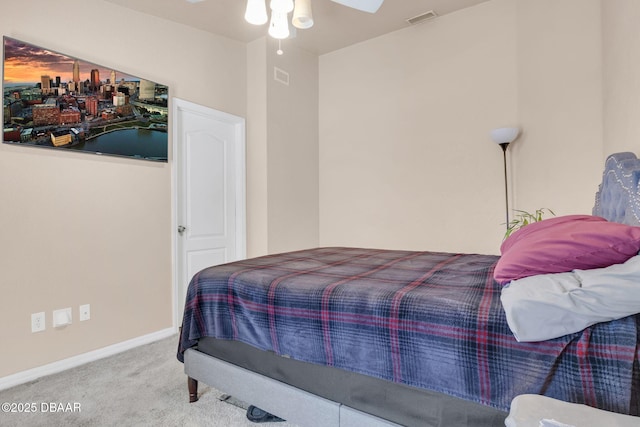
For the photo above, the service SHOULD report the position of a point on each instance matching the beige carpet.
(145, 386)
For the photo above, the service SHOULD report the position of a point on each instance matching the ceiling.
(335, 26)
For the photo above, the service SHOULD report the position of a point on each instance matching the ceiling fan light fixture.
(302, 16)
(281, 28)
(256, 12)
(278, 27)
(281, 6)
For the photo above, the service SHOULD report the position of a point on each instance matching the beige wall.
(292, 155)
(405, 156)
(282, 152)
(81, 229)
(257, 180)
(406, 160)
(558, 160)
(621, 42)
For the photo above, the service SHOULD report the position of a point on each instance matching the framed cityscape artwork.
(57, 101)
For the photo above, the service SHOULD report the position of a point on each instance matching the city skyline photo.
(54, 100)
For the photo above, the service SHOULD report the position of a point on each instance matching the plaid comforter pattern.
(426, 319)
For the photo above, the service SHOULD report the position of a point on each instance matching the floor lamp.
(504, 137)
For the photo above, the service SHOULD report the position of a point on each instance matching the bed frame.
(617, 199)
(291, 403)
(321, 395)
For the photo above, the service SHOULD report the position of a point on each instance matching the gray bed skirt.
(348, 395)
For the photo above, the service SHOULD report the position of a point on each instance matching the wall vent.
(422, 17)
(281, 76)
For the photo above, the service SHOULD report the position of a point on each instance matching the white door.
(209, 156)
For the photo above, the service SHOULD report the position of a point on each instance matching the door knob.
(181, 229)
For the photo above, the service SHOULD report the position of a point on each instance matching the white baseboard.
(81, 359)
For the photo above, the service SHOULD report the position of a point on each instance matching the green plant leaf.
(523, 218)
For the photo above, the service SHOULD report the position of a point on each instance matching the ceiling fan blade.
(370, 6)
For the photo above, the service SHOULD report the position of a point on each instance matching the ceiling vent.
(422, 17)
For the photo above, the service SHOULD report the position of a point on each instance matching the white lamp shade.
(278, 27)
(302, 16)
(282, 6)
(256, 12)
(504, 135)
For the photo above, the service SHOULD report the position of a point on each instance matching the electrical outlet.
(37, 322)
(85, 312)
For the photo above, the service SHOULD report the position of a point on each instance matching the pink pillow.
(565, 243)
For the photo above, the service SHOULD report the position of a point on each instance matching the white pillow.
(547, 306)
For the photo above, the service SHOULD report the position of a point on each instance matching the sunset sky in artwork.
(25, 63)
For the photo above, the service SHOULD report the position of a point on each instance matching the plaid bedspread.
(426, 319)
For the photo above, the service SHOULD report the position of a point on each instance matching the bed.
(364, 337)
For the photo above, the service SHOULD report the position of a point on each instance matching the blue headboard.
(618, 196)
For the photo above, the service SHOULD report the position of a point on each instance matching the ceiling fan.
(370, 6)
(256, 13)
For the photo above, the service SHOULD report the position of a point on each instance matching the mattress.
(427, 320)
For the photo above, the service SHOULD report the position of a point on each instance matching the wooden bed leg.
(193, 389)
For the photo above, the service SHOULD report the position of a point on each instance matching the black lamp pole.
(504, 146)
